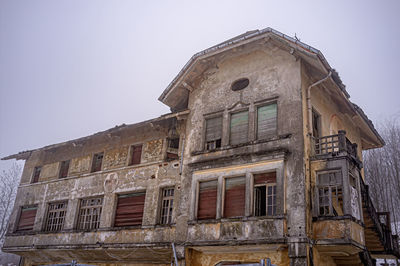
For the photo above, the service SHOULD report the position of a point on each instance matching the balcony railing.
(390, 242)
(335, 145)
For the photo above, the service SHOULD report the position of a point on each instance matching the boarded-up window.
(64, 167)
(266, 121)
(36, 174)
(97, 161)
(213, 133)
(265, 194)
(130, 209)
(136, 154)
(207, 206)
(89, 213)
(167, 205)
(235, 192)
(27, 218)
(330, 193)
(56, 216)
(239, 127)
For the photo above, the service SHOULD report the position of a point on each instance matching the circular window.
(240, 84)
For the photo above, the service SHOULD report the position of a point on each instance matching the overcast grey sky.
(72, 68)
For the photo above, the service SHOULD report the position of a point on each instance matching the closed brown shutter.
(27, 218)
(266, 121)
(64, 169)
(97, 161)
(130, 209)
(207, 208)
(235, 193)
(214, 128)
(136, 154)
(265, 178)
(239, 127)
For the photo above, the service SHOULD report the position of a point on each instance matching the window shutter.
(97, 161)
(239, 127)
(214, 128)
(235, 192)
(64, 169)
(136, 154)
(27, 218)
(266, 121)
(264, 178)
(207, 200)
(130, 209)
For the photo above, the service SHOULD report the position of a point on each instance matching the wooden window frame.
(82, 214)
(213, 145)
(55, 227)
(247, 109)
(21, 209)
(127, 194)
(170, 210)
(260, 105)
(131, 154)
(172, 153)
(94, 159)
(223, 207)
(35, 179)
(60, 171)
(198, 198)
(333, 191)
(319, 122)
(274, 187)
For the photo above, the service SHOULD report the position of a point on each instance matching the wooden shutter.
(265, 178)
(266, 121)
(130, 209)
(214, 128)
(207, 206)
(27, 218)
(235, 193)
(64, 169)
(97, 161)
(36, 174)
(136, 154)
(239, 127)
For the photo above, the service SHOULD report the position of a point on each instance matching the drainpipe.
(309, 107)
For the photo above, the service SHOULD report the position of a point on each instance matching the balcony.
(378, 234)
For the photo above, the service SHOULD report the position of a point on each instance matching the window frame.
(48, 211)
(35, 169)
(61, 168)
(223, 195)
(77, 224)
(116, 198)
(131, 152)
(241, 110)
(205, 142)
(171, 213)
(21, 208)
(198, 198)
(94, 158)
(274, 185)
(322, 186)
(260, 105)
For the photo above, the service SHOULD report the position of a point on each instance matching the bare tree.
(8, 188)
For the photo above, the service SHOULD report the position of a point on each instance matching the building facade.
(261, 157)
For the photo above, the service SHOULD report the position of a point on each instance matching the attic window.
(240, 84)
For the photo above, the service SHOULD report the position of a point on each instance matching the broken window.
(36, 174)
(266, 121)
(27, 218)
(239, 127)
(235, 193)
(167, 204)
(316, 124)
(172, 149)
(89, 213)
(265, 194)
(130, 209)
(97, 161)
(330, 193)
(136, 154)
(64, 167)
(207, 202)
(213, 133)
(56, 216)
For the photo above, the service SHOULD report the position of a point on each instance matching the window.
(235, 196)
(266, 121)
(36, 174)
(167, 204)
(207, 202)
(265, 194)
(97, 161)
(240, 84)
(330, 193)
(172, 149)
(136, 154)
(27, 218)
(213, 133)
(89, 213)
(56, 216)
(64, 167)
(316, 124)
(130, 209)
(239, 127)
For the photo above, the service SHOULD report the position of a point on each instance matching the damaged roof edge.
(246, 36)
(23, 155)
(369, 123)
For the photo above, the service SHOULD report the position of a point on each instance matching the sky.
(71, 68)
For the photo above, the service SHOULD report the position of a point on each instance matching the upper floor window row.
(264, 121)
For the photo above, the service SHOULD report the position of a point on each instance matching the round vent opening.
(240, 84)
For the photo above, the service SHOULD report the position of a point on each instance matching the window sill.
(237, 219)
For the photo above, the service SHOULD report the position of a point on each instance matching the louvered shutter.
(136, 154)
(27, 218)
(266, 121)
(265, 178)
(214, 128)
(239, 127)
(207, 205)
(130, 209)
(235, 192)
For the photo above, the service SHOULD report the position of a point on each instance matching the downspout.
(308, 98)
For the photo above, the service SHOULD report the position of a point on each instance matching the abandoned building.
(260, 157)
